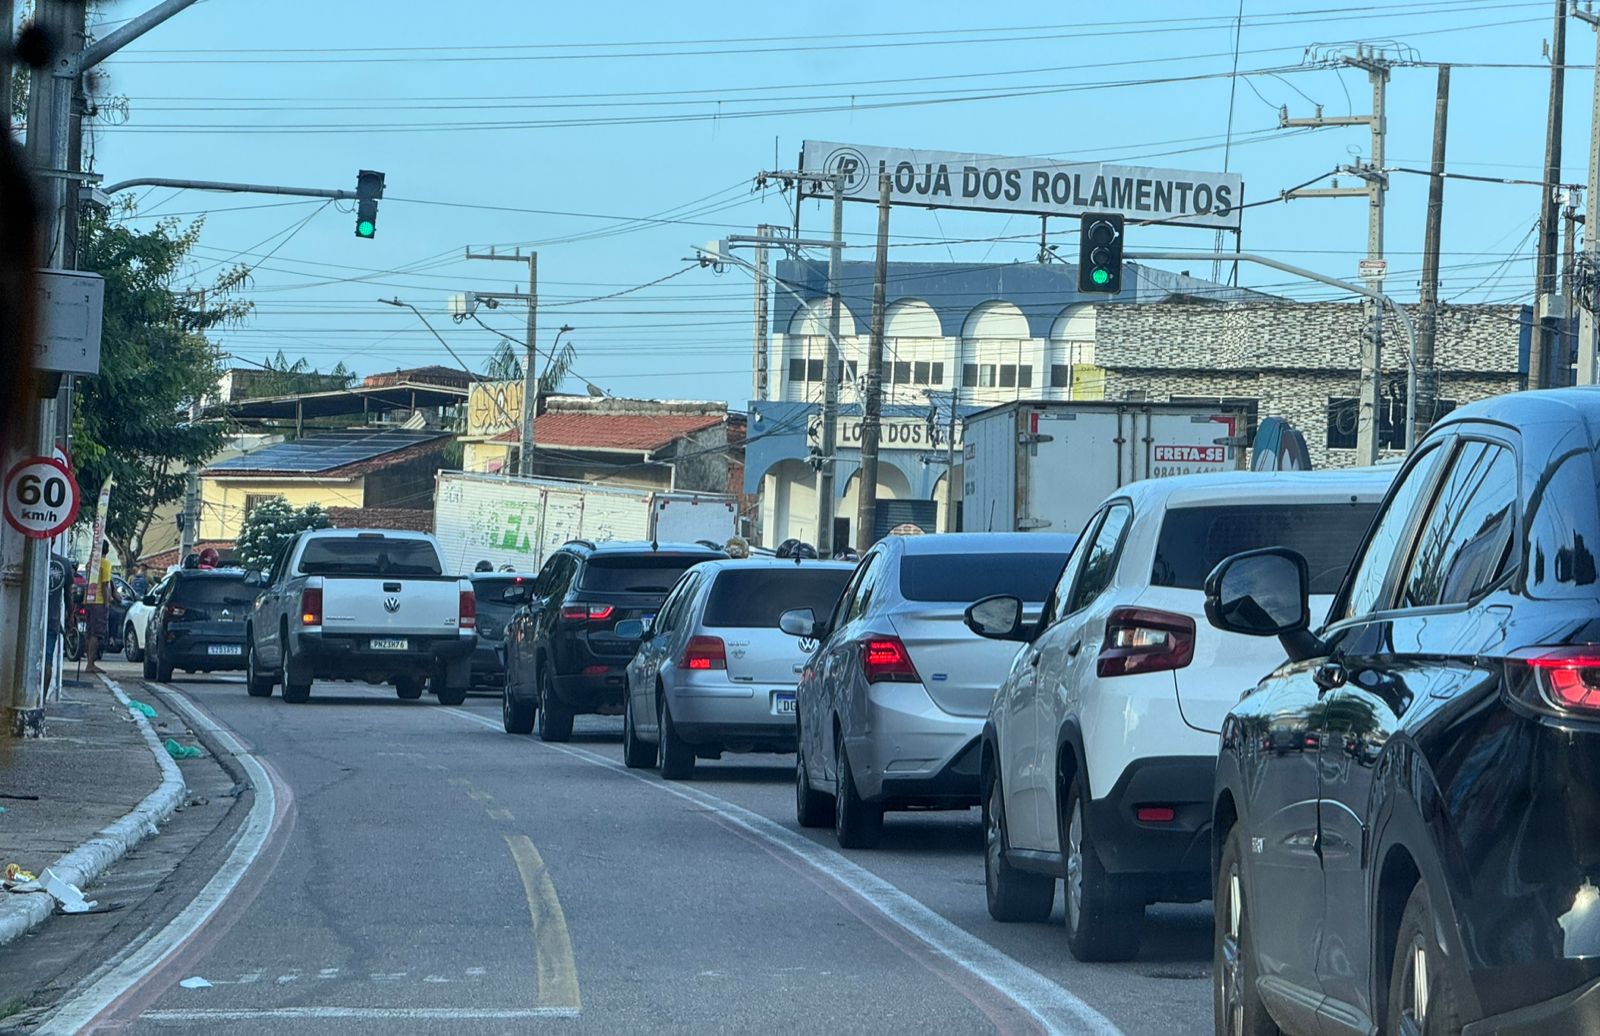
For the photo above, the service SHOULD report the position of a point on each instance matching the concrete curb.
(21, 911)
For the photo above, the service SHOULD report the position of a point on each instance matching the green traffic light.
(1100, 276)
(365, 228)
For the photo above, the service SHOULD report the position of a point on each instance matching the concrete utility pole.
(530, 365)
(1591, 255)
(1569, 266)
(1427, 400)
(759, 359)
(872, 404)
(1542, 357)
(1369, 423)
(830, 379)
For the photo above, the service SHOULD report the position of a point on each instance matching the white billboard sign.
(894, 433)
(1037, 186)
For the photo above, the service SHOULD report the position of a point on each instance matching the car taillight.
(601, 612)
(704, 653)
(885, 660)
(311, 606)
(587, 612)
(1568, 678)
(1143, 640)
(175, 611)
(467, 612)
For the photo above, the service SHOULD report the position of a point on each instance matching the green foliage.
(270, 526)
(506, 365)
(131, 421)
(279, 377)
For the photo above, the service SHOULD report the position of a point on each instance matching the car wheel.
(130, 645)
(555, 719)
(164, 671)
(636, 754)
(676, 755)
(812, 808)
(1238, 1007)
(1422, 996)
(1014, 895)
(856, 823)
(149, 666)
(448, 693)
(409, 688)
(1105, 912)
(256, 683)
(516, 716)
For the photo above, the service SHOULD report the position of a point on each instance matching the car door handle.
(1072, 652)
(1329, 675)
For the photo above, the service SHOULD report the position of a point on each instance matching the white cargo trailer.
(1046, 465)
(509, 520)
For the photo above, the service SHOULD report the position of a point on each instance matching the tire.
(256, 684)
(555, 719)
(409, 688)
(130, 645)
(856, 823)
(675, 754)
(1422, 991)
(812, 808)
(164, 671)
(293, 692)
(515, 716)
(149, 667)
(1105, 912)
(636, 754)
(1013, 895)
(1236, 1001)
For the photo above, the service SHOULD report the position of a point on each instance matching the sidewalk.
(79, 798)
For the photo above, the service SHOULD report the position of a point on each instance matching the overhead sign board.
(1037, 186)
(894, 433)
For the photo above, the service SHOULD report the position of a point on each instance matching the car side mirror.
(1264, 593)
(149, 600)
(516, 594)
(632, 629)
(998, 618)
(800, 622)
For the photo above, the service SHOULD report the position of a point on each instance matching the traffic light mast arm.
(1355, 289)
(236, 188)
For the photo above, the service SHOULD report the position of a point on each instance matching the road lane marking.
(554, 964)
(399, 1014)
(1055, 1008)
(105, 992)
(499, 814)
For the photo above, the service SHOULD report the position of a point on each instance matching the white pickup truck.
(361, 604)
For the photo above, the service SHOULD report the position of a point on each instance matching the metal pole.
(1542, 354)
(530, 373)
(1370, 424)
(1591, 256)
(950, 445)
(759, 360)
(228, 186)
(1569, 233)
(830, 380)
(1425, 400)
(872, 405)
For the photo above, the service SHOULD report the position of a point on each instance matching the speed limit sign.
(41, 497)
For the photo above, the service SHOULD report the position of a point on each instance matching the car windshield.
(1194, 539)
(969, 577)
(494, 611)
(369, 556)
(754, 598)
(636, 573)
(214, 592)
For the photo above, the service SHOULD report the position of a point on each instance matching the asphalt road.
(426, 872)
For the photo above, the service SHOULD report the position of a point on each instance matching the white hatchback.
(1099, 751)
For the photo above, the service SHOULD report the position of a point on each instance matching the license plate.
(225, 649)
(390, 644)
(783, 705)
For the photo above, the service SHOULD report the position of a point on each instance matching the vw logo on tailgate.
(391, 604)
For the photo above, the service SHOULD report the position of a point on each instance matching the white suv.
(1098, 754)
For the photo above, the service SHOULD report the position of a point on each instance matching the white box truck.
(1030, 466)
(509, 520)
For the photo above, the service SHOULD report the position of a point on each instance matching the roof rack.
(584, 543)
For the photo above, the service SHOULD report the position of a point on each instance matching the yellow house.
(360, 468)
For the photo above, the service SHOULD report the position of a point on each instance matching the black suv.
(562, 658)
(1406, 814)
(198, 623)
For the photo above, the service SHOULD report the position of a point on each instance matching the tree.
(270, 526)
(506, 365)
(131, 421)
(279, 377)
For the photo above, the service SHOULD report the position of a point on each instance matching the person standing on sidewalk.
(99, 610)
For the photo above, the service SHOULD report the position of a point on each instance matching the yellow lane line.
(554, 964)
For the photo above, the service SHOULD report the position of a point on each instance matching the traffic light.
(369, 188)
(1100, 253)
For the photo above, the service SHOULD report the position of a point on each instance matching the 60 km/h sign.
(41, 497)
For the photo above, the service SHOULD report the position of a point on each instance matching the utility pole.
(530, 365)
(872, 405)
(830, 379)
(1541, 358)
(759, 359)
(1591, 255)
(1371, 61)
(1569, 232)
(1428, 309)
(950, 446)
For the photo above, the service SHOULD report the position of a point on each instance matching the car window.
(370, 554)
(672, 608)
(549, 575)
(1463, 545)
(1195, 539)
(867, 590)
(214, 592)
(1055, 605)
(754, 598)
(964, 578)
(847, 599)
(635, 573)
(1366, 587)
(1100, 562)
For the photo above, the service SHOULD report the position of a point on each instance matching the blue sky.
(558, 126)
